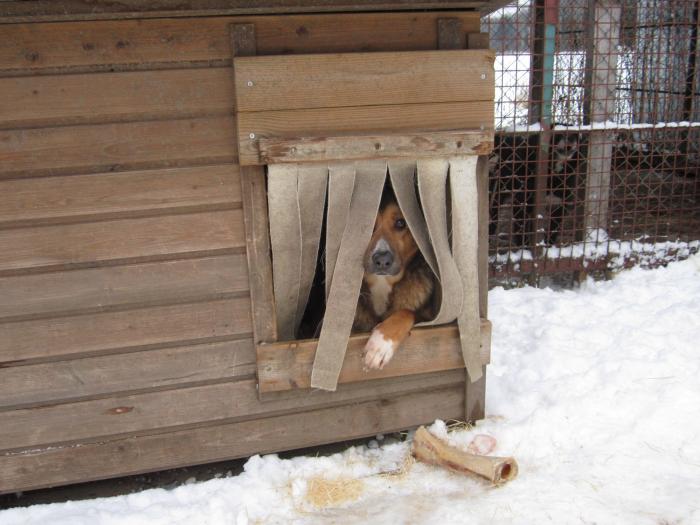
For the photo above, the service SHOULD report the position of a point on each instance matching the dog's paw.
(379, 350)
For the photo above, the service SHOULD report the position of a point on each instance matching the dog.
(397, 288)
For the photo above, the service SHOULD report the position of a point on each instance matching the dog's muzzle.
(382, 260)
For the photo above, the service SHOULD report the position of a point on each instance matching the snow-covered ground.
(595, 392)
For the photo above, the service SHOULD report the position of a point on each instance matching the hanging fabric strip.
(348, 273)
(341, 179)
(285, 240)
(432, 185)
(311, 196)
(465, 251)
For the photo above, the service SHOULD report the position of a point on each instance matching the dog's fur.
(393, 298)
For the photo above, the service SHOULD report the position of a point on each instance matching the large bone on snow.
(430, 449)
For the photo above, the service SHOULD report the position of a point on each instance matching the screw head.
(250, 83)
(252, 135)
(483, 76)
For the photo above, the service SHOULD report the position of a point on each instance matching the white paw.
(378, 350)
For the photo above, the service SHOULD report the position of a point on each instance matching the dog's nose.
(382, 261)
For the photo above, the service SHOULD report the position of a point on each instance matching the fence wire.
(597, 156)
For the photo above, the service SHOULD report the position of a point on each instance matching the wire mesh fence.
(596, 163)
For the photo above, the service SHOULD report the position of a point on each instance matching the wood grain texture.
(269, 83)
(100, 194)
(113, 97)
(21, 341)
(134, 454)
(450, 34)
(285, 366)
(94, 242)
(394, 119)
(99, 289)
(358, 147)
(138, 43)
(110, 147)
(78, 378)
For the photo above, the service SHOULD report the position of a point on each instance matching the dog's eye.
(400, 224)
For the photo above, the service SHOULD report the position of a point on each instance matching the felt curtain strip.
(311, 196)
(285, 241)
(465, 252)
(348, 274)
(403, 181)
(341, 179)
(432, 185)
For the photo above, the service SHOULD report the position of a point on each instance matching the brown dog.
(397, 288)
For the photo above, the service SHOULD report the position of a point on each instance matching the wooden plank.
(105, 194)
(143, 43)
(356, 147)
(450, 33)
(258, 252)
(114, 97)
(268, 83)
(478, 41)
(21, 341)
(74, 244)
(110, 147)
(394, 119)
(78, 378)
(152, 411)
(243, 42)
(133, 454)
(287, 365)
(99, 289)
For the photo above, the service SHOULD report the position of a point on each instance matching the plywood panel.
(355, 120)
(44, 198)
(121, 414)
(102, 332)
(130, 455)
(75, 378)
(95, 289)
(132, 43)
(361, 79)
(108, 147)
(67, 99)
(71, 244)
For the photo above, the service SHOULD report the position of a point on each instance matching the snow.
(595, 392)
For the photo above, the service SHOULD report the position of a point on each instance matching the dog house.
(168, 171)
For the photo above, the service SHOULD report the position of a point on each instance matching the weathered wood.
(478, 41)
(134, 454)
(72, 244)
(109, 147)
(61, 381)
(243, 42)
(52, 10)
(482, 181)
(392, 119)
(148, 43)
(41, 200)
(114, 97)
(357, 147)
(99, 289)
(450, 33)
(287, 365)
(269, 83)
(22, 341)
(258, 251)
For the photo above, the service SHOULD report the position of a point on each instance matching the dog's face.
(391, 247)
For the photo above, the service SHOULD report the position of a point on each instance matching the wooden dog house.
(137, 319)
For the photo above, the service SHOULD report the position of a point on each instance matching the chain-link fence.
(597, 158)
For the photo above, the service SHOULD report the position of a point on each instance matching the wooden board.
(99, 289)
(147, 370)
(106, 195)
(76, 244)
(287, 365)
(22, 341)
(133, 454)
(149, 43)
(351, 147)
(268, 83)
(152, 411)
(409, 118)
(110, 147)
(113, 97)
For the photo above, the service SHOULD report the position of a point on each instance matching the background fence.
(597, 160)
